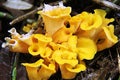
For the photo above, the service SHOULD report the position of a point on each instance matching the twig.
(7, 15)
(118, 59)
(116, 1)
(108, 4)
(112, 61)
(25, 16)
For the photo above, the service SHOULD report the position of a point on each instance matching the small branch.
(116, 1)
(108, 4)
(25, 16)
(7, 15)
(118, 59)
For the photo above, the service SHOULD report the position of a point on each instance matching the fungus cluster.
(67, 42)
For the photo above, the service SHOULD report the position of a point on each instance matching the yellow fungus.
(61, 35)
(35, 49)
(91, 22)
(54, 19)
(62, 57)
(106, 38)
(69, 72)
(34, 70)
(41, 39)
(86, 48)
(66, 42)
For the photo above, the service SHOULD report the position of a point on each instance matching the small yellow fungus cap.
(34, 70)
(35, 49)
(106, 38)
(91, 22)
(54, 19)
(69, 72)
(63, 57)
(86, 48)
(62, 35)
